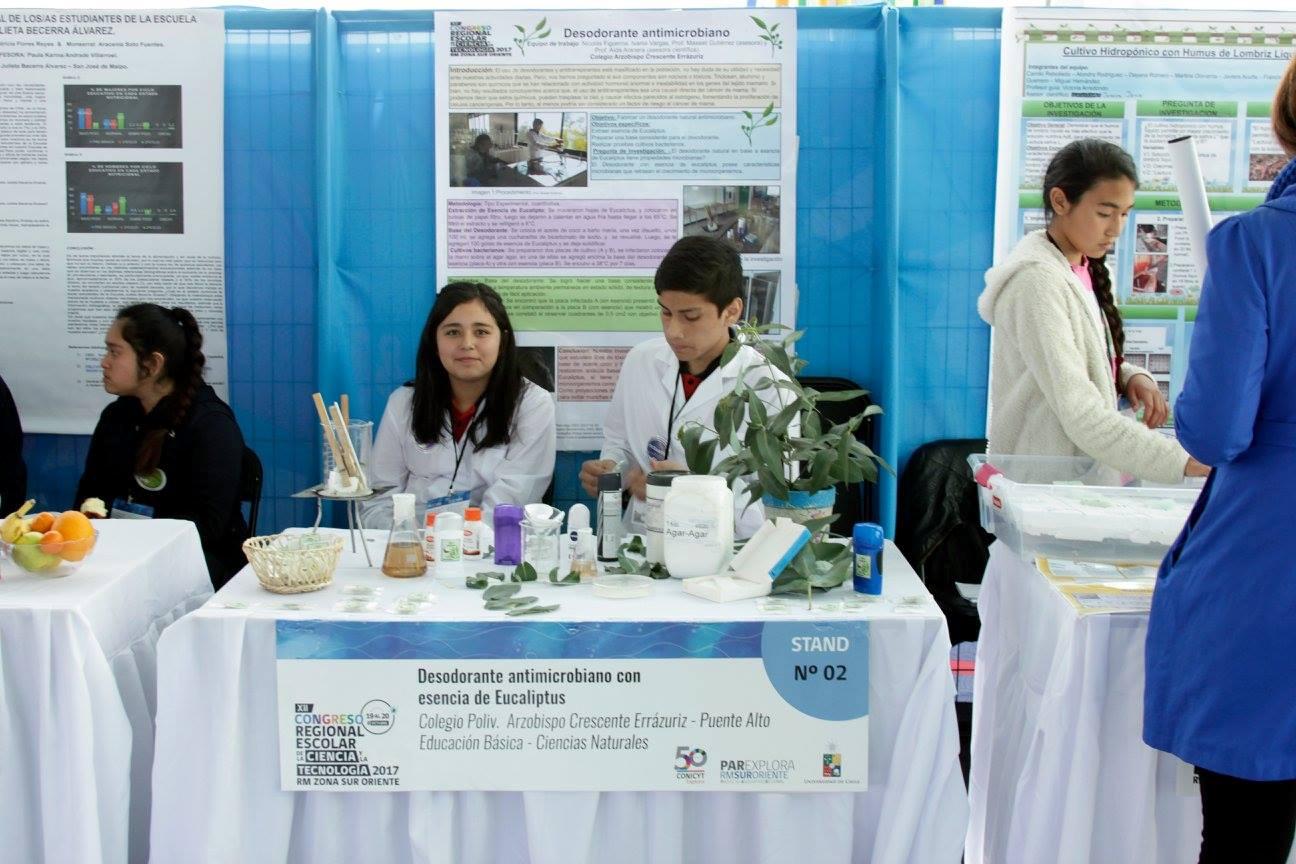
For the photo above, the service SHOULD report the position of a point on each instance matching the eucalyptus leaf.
(635, 546)
(507, 589)
(759, 23)
(841, 395)
(572, 577)
(531, 610)
(731, 350)
(524, 572)
(476, 582)
(658, 571)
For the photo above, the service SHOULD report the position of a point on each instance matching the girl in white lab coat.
(469, 429)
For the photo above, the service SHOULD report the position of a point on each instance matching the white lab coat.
(516, 473)
(536, 141)
(640, 406)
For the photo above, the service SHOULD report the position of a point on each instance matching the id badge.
(455, 502)
(130, 510)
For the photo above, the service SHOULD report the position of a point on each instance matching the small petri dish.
(355, 605)
(623, 586)
(361, 590)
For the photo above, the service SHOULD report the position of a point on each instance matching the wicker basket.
(293, 563)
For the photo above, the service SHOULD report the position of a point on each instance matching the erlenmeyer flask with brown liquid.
(404, 555)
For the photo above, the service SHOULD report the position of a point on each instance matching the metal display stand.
(353, 503)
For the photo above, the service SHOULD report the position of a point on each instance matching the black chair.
(249, 490)
(856, 502)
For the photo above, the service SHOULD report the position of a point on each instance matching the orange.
(42, 522)
(78, 535)
(51, 542)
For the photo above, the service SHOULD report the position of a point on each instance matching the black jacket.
(938, 528)
(201, 461)
(13, 471)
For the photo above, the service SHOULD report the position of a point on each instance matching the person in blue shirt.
(1221, 645)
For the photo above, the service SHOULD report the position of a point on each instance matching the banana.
(14, 525)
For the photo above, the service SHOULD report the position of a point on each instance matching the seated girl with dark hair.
(469, 426)
(168, 447)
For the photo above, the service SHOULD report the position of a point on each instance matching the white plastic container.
(450, 539)
(697, 526)
(1076, 509)
(656, 489)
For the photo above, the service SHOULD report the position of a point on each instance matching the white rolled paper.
(1192, 197)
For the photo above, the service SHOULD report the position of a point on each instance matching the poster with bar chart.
(120, 115)
(125, 197)
(112, 179)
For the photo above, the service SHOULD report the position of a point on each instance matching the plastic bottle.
(429, 538)
(450, 541)
(867, 540)
(404, 555)
(697, 526)
(508, 534)
(472, 533)
(578, 517)
(609, 516)
(584, 555)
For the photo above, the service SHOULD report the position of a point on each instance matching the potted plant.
(793, 458)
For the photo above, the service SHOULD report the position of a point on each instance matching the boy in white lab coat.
(676, 379)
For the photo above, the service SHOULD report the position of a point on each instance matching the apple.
(27, 554)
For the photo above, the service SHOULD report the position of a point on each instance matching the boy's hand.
(591, 471)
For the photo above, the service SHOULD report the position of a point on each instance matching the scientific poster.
(111, 193)
(1139, 79)
(573, 148)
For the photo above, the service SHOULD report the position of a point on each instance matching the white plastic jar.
(657, 487)
(697, 526)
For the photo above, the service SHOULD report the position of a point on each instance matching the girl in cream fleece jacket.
(1056, 364)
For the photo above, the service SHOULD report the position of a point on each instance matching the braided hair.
(172, 333)
(1075, 169)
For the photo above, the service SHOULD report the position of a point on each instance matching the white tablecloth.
(216, 779)
(78, 670)
(1060, 772)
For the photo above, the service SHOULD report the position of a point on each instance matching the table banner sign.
(595, 706)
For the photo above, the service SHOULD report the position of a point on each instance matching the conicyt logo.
(689, 762)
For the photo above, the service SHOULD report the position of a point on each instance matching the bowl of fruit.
(47, 544)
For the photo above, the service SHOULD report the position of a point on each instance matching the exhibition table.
(217, 778)
(78, 664)
(1060, 772)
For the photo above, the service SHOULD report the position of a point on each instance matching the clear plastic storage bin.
(1075, 508)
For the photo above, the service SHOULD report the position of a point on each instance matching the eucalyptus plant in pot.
(794, 458)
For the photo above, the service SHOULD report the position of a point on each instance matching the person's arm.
(213, 462)
(387, 459)
(96, 477)
(528, 464)
(1038, 320)
(1216, 411)
(616, 434)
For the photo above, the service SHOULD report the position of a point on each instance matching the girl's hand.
(1196, 469)
(1143, 392)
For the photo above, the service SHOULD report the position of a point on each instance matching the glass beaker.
(361, 434)
(540, 545)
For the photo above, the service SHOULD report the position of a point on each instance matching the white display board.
(111, 193)
(1140, 79)
(651, 126)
